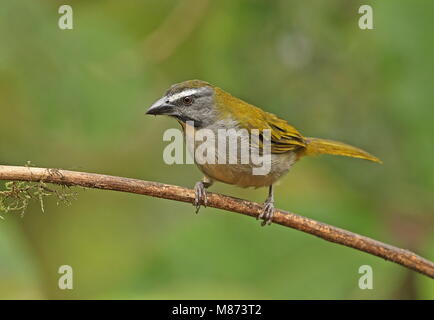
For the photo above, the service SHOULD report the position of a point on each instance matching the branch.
(327, 232)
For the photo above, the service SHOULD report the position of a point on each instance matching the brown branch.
(327, 232)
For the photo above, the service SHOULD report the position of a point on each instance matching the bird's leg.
(200, 192)
(268, 210)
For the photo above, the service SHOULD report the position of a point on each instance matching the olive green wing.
(284, 137)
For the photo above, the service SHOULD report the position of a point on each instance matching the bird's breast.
(226, 162)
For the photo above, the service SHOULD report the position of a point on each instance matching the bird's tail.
(323, 146)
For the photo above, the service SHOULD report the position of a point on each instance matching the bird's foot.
(267, 212)
(200, 197)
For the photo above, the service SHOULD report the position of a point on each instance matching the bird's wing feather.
(284, 137)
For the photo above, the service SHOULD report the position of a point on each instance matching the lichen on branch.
(17, 195)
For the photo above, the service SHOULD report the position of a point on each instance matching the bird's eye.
(188, 100)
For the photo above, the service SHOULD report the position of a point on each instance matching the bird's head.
(192, 100)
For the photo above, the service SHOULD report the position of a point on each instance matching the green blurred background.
(75, 99)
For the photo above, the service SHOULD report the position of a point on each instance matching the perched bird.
(198, 104)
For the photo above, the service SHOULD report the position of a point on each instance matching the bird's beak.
(161, 107)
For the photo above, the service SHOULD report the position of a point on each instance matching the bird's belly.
(239, 174)
(243, 175)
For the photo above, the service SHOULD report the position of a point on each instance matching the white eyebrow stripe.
(183, 94)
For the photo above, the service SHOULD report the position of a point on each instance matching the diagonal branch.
(327, 232)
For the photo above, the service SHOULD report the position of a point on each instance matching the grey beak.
(161, 107)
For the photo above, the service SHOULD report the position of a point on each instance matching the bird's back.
(284, 137)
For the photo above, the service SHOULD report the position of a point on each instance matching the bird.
(198, 105)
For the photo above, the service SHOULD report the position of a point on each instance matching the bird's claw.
(267, 213)
(200, 197)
